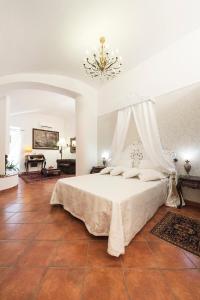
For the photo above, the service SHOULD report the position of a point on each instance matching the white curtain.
(120, 134)
(146, 123)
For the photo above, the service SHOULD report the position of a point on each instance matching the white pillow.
(117, 171)
(106, 170)
(147, 164)
(131, 173)
(150, 174)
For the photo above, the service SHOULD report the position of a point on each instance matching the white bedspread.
(111, 205)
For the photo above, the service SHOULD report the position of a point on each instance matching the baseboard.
(192, 203)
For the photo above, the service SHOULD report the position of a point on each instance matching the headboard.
(135, 152)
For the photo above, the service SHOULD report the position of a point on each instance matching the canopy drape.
(121, 129)
(146, 124)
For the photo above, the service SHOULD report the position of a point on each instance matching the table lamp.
(27, 150)
(61, 144)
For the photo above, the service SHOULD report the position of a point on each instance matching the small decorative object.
(51, 167)
(103, 62)
(45, 139)
(187, 166)
(61, 144)
(175, 159)
(73, 145)
(105, 158)
(104, 161)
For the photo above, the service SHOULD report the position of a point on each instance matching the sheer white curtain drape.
(146, 124)
(121, 129)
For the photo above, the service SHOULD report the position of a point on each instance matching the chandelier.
(103, 63)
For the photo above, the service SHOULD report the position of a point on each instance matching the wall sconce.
(61, 144)
(187, 166)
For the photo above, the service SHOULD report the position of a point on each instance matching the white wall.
(4, 131)
(173, 68)
(86, 133)
(27, 122)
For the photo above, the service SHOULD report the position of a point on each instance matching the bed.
(111, 205)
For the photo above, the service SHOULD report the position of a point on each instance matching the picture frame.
(73, 145)
(45, 139)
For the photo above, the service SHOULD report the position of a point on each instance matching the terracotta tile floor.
(46, 254)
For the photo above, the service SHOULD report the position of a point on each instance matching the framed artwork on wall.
(73, 145)
(45, 139)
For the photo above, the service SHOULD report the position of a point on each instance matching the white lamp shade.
(62, 142)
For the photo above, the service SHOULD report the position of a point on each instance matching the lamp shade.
(27, 149)
(62, 142)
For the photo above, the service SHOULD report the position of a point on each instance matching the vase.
(187, 166)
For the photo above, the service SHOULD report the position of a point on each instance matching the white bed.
(111, 205)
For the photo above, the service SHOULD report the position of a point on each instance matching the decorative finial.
(102, 39)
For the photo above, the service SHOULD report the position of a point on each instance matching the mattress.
(111, 205)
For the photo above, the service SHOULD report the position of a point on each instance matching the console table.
(34, 160)
(192, 182)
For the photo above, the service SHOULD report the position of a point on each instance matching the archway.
(86, 110)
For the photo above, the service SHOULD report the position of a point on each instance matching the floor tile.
(147, 285)
(28, 217)
(15, 208)
(38, 254)
(185, 284)
(139, 255)
(104, 283)
(20, 284)
(76, 230)
(7, 231)
(25, 231)
(52, 232)
(5, 216)
(57, 215)
(194, 258)
(10, 252)
(61, 284)
(169, 256)
(70, 254)
(4, 272)
(98, 256)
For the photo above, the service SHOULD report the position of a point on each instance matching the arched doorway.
(86, 109)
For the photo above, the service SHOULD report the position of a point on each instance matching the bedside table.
(96, 169)
(192, 182)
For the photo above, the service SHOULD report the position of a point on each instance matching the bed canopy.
(146, 124)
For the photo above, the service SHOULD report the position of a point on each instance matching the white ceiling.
(36, 101)
(51, 36)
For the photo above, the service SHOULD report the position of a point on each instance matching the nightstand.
(96, 169)
(192, 182)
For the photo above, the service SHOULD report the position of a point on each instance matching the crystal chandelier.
(103, 63)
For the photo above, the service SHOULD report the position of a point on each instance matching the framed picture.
(45, 139)
(73, 145)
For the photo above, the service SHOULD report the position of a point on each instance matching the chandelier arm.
(91, 64)
(97, 62)
(88, 68)
(111, 64)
